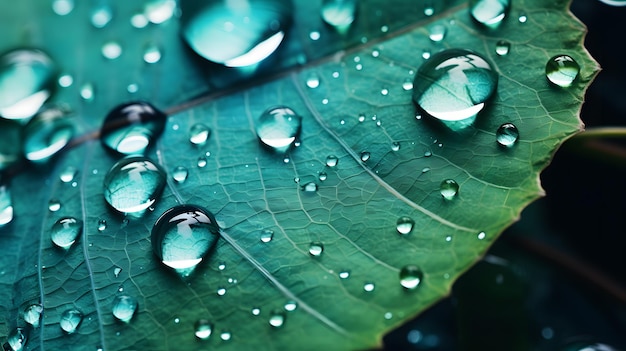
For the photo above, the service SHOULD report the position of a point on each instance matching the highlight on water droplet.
(201, 162)
(68, 174)
(203, 329)
(365, 155)
(278, 128)
(277, 319)
(507, 135)
(339, 13)
(344, 274)
(159, 11)
(226, 335)
(152, 54)
(395, 146)
(411, 277)
(267, 235)
(199, 134)
(65, 231)
(32, 314)
(481, 235)
(111, 50)
(101, 15)
(6, 205)
(316, 248)
(290, 306)
(489, 13)
(404, 225)
(437, 33)
(179, 174)
(407, 84)
(309, 187)
(562, 70)
(102, 224)
(323, 176)
(54, 205)
(332, 160)
(47, 133)
(449, 189)
(124, 307)
(70, 320)
(87, 92)
(503, 47)
(369, 286)
(313, 80)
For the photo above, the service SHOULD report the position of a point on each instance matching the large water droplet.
(183, 236)
(411, 277)
(562, 70)
(316, 249)
(159, 11)
(267, 235)
(133, 184)
(309, 187)
(503, 47)
(131, 127)
(454, 85)
(203, 329)
(16, 340)
(332, 160)
(507, 134)
(65, 231)
(449, 189)
(6, 205)
(489, 13)
(70, 320)
(404, 225)
(11, 146)
(199, 134)
(278, 128)
(47, 133)
(124, 307)
(233, 33)
(32, 314)
(27, 78)
(180, 174)
(277, 319)
(339, 13)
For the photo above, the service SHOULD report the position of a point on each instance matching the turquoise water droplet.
(449, 189)
(54, 205)
(221, 291)
(296, 180)
(407, 84)
(395, 146)
(255, 311)
(365, 155)
(68, 174)
(507, 134)
(489, 13)
(277, 319)
(117, 271)
(437, 33)
(47, 133)
(65, 231)
(66, 80)
(62, 7)
(139, 20)
(522, 17)
(159, 11)
(6, 205)
(101, 16)
(309, 187)
(323, 176)
(27, 79)
(32, 314)
(562, 70)
(70, 320)
(384, 91)
(102, 225)
(133, 184)
(201, 162)
(111, 50)
(290, 306)
(199, 134)
(203, 329)
(339, 13)
(87, 92)
(503, 47)
(16, 340)
(344, 274)
(429, 9)
(132, 88)
(481, 235)
(11, 146)
(314, 35)
(278, 128)
(411, 277)
(124, 307)
(313, 81)
(221, 266)
(183, 236)
(331, 160)
(131, 127)
(404, 225)
(454, 85)
(369, 286)
(316, 248)
(152, 54)
(267, 235)
(180, 174)
(235, 34)
(226, 335)
(426, 54)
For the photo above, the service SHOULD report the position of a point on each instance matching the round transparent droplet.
(199, 134)
(395, 146)
(32, 314)
(62, 7)
(365, 155)
(54, 205)
(111, 50)
(429, 9)
(277, 319)
(66, 80)
(454, 85)
(47, 133)
(310, 187)
(314, 35)
(131, 127)
(411, 277)
(278, 128)
(179, 174)
(507, 135)
(522, 17)
(226, 335)
(449, 189)
(404, 225)
(139, 20)
(201, 162)
(87, 92)
(407, 84)
(124, 307)
(16, 340)
(117, 271)
(221, 291)
(323, 176)
(313, 81)
(562, 70)
(183, 236)
(101, 15)
(256, 311)
(68, 174)
(481, 235)
(65, 231)
(290, 306)
(331, 160)
(267, 235)
(339, 13)
(203, 329)
(159, 11)
(344, 274)
(503, 47)
(70, 320)
(152, 54)
(489, 13)
(102, 225)
(316, 249)
(369, 286)
(437, 33)
(27, 79)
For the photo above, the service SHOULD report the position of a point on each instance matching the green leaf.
(353, 213)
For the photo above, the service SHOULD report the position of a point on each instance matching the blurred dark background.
(556, 279)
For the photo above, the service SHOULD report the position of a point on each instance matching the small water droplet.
(562, 70)
(152, 54)
(131, 127)
(32, 314)
(16, 340)
(102, 225)
(6, 206)
(87, 92)
(310, 187)
(313, 81)
(449, 189)
(133, 184)
(314, 35)
(132, 88)
(290, 306)
(176, 320)
(395, 146)
(221, 291)
(221, 266)
(522, 17)
(316, 249)
(323, 176)
(101, 16)
(159, 11)
(489, 13)
(183, 236)
(339, 13)
(404, 225)
(225, 335)
(124, 307)
(407, 84)
(70, 320)
(68, 174)
(503, 47)
(344, 274)
(369, 286)
(411, 277)
(448, 238)
(267, 235)
(62, 7)
(66, 80)
(437, 33)
(54, 205)
(365, 155)
(388, 315)
(202, 162)
(65, 231)
(331, 160)
(324, 101)
(296, 179)
(277, 319)
(507, 135)
(256, 311)
(117, 271)
(384, 91)
(481, 235)
(180, 174)
(47, 133)
(139, 20)
(111, 50)
(278, 128)
(429, 9)
(203, 329)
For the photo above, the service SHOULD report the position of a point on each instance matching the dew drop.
(369, 286)
(221, 291)
(87, 92)
(201, 162)
(339, 13)
(101, 16)
(277, 319)
(111, 50)
(562, 70)
(180, 174)
(27, 79)
(70, 320)
(384, 91)
(429, 10)
(6, 206)
(66, 80)
(454, 85)
(47, 133)
(449, 189)
(152, 54)
(159, 11)
(411, 277)
(139, 20)
(290, 306)
(16, 340)
(507, 135)
(395, 146)
(267, 235)
(131, 127)
(313, 81)
(481, 235)
(316, 249)
(203, 329)
(183, 236)
(54, 205)
(124, 307)
(278, 128)
(62, 7)
(132, 88)
(199, 134)
(437, 33)
(117, 271)
(65, 231)
(314, 35)
(404, 225)
(256, 311)
(489, 13)
(68, 174)
(221, 266)
(332, 160)
(310, 187)
(133, 184)
(503, 47)
(102, 225)
(407, 84)
(365, 155)
(323, 176)
(32, 314)
(522, 17)
(344, 274)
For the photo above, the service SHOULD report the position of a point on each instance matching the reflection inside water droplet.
(131, 127)
(199, 134)
(404, 225)
(411, 277)
(203, 329)
(124, 307)
(71, 320)
(449, 189)
(507, 135)
(316, 249)
(562, 70)
(65, 231)
(32, 314)
(278, 128)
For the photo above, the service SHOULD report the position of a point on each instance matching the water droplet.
(101, 16)
(522, 17)
(345, 274)
(221, 266)
(369, 286)
(70, 320)
(384, 91)
(117, 271)
(331, 160)
(221, 291)
(449, 189)
(133, 184)
(309, 187)
(365, 155)
(183, 236)
(203, 329)
(65, 80)
(225, 335)
(152, 54)
(180, 174)
(202, 162)
(507, 134)
(87, 92)
(132, 88)
(404, 225)
(290, 306)
(323, 176)
(489, 13)
(314, 35)
(277, 319)
(139, 20)
(6, 206)
(27, 79)
(54, 205)
(454, 85)
(68, 174)
(199, 134)
(388, 315)
(562, 70)
(16, 340)
(411, 277)
(159, 11)
(316, 249)
(407, 84)
(32, 314)
(102, 225)
(339, 13)
(395, 146)
(111, 50)
(278, 128)
(437, 33)
(256, 311)
(65, 231)
(47, 133)
(503, 47)
(124, 307)
(131, 127)
(313, 81)
(448, 238)
(62, 7)
(234, 35)
(429, 9)
(481, 235)
(296, 180)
